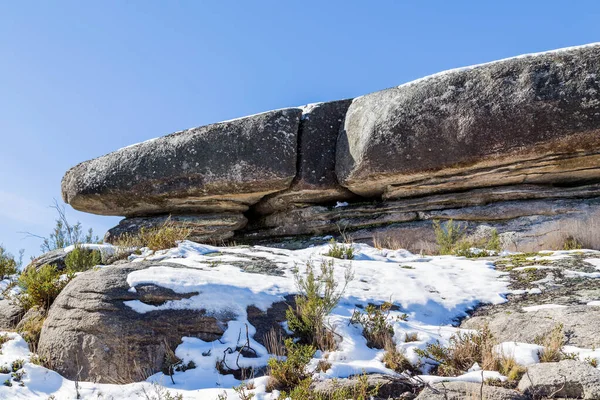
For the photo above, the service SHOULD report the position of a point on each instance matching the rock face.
(532, 119)
(91, 335)
(565, 379)
(221, 167)
(513, 144)
(213, 228)
(315, 180)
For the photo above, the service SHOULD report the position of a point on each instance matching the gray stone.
(207, 228)
(468, 390)
(221, 167)
(580, 323)
(567, 378)
(91, 335)
(54, 257)
(315, 181)
(10, 314)
(532, 119)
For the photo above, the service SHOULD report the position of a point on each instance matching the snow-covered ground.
(434, 291)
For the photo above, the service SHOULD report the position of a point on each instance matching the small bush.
(31, 331)
(17, 365)
(66, 234)
(360, 391)
(374, 321)
(411, 337)
(342, 251)
(81, 259)
(464, 350)
(319, 295)
(448, 236)
(572, 243)
(162, 237)
(288, 373)
(242, 393)
(8, 265)
(40, 287)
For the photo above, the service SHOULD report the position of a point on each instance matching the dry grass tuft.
(163, 237)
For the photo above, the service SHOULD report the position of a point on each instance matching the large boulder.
(315, 181)
(90, 334)
(207, 228)
(529, 119)
(221, 167)
(565, 379)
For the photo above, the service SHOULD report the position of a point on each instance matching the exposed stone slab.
(531, 119)
(315, 181)
(220, 167)
(206, 228)
(468, 390)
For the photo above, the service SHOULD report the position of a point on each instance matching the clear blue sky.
(79, 79)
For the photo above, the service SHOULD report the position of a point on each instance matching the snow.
(542, 307)
(434, 291)
(475, 66)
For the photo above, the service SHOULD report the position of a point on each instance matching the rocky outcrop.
(386, 386)
(211, 228)
(54, 257)
(565, 379)
(514, 144)
(468, 390)
(90, 334)
(532, 119)
(222, 167)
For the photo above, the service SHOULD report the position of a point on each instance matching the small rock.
(467, 390)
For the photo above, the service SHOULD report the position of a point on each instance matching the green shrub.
(396, 360)
(360, 391)
(65, 234)
(342, 251)
(81, 259)
(288, 373)
(319, 295)
(448, 236)
(8, 265)
(41, 287)
(374, 321)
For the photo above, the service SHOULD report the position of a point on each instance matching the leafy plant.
(571, 243)
(81, 259)
(288, 373)
(342, 251)
(374, 321)
(552, 343)
(396, 360)
(40, 287)
(319, 295)
(8, 265)
(448, 235)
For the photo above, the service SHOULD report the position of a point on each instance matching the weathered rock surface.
(579, 322)
(531, 119)
(315, 180)
(468, 390)
(565, 379)
(91, 335)
(10, 314)
(221, 167)
(211, 228)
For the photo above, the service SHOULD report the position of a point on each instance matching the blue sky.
(82, 78)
